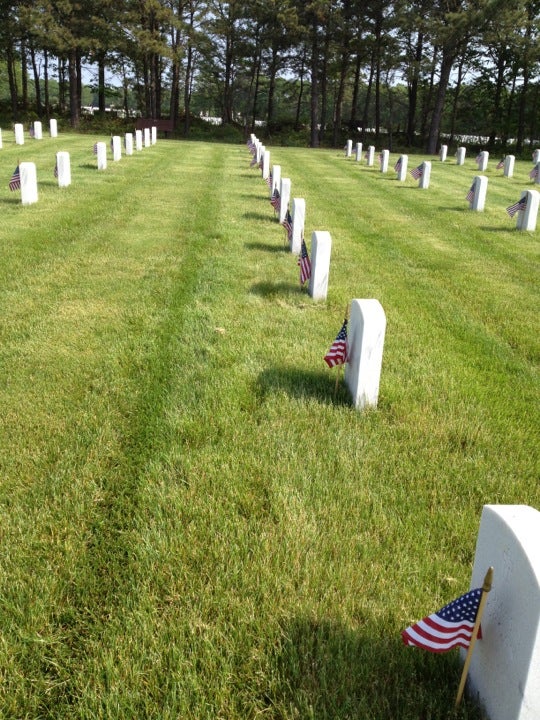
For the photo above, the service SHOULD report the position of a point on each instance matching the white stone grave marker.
(146, 135)
(63, 167)
(298, 221)
(425, 176)
(509, 162)
(138, 140)
(116, 148)
(53, 128)
(443, 152)
(29, 190)
(482, 160)
(101, 156)
(401, 167)
(38, 130)
(153, 135)
(460, 155)
(505, 668)
(19, 134)
(526, 218)
(358, 151)
(536, 173)
(536, 156)
(385, 156)
(321, 246)
(348, 148)
(284, 197)
(478, 201)
(128, 142)
(266, 165)
(370, 155)
(367, 328)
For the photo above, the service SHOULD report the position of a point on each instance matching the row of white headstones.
(504, 674)
(527, 212)
(28, 172)
(367, 319)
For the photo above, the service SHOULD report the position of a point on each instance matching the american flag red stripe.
(15, 182)
(451, 626)
(305, 263)
(417, 172)
(534, 173)
(337, 354)
(287, 224)
(275, 200)
(397, 166)
(516, 207)
(470, 195)
(500, 165)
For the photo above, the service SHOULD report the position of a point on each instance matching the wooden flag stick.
(486, 587)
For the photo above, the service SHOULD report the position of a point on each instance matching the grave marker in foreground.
(321, 246)
(285, 196)
(443, 153)
(138, 140)
(526, 217)
(477, 194)
(116, 148)
(358, 151)
(19, 134)
(505, 668)
(509, 162)
(370, 155)
(38, 130)
(460, 155)
(367, 328)
(298, 221)
(53, 128)
(101, 149)
(29, 190)
(63, 167)
(128, 142)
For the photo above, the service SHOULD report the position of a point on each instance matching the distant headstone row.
(359, 343)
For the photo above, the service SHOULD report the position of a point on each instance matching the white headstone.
(101, 156)
(260, 152)
(443, 152)
(19, 134)
(299, 218)
(348, 148)
(482, 160)
(536, 156)
(53, 128)
(509, 162)
(505, 668)
(117, 148)
(537, 173)
(63, 166)
(153, 135)
(128, 142)
(402, 167)
(358, 151)
(479, 195)
(423, 182)
(460, 155)
(146, 134)
(138, 140)
(38, 130)
(29, 191)
(321, 246)
(284, 197)
(367, 328)
(276, 178)
(526, 218)
(266, 164)
(385, 156)
(370, 155)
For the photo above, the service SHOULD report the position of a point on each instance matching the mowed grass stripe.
(213, 533)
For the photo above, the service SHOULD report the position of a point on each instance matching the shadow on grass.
(319, 385)
(252, 215)
(268, 247)
(270, 290)
(88, 166)
(11, 201)
(321, 669)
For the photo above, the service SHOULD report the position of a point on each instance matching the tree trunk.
(324, 87)
(24, 77)
(101, 83)
(413, 90)
(448, 58)
(37, 84)
(314, 99)
(73, 88)
(365, 114)
(300, 92)
(353, 120)
(46, 83)
(12, 78)
(344, 66)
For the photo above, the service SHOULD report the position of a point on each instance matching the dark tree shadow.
(253, 215)
(322, 670)
(274, 248)
(270, 290)
(315, 384)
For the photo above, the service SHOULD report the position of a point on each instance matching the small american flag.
(449, 627)
(275, 200)
(516, 207)
(269, 181)
(337, 354)
(534, 173)
(95, 148)
(287, 224)
(417, 172)
(56, 169)
(470, 195)
(478, 158)
(253, 161)
(31, 130)
(15, 182)
(397, 166)
(304, 263)
(500, 165)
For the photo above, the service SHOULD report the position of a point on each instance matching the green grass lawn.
(193, 525)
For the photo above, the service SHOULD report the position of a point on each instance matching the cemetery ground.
(193, 524)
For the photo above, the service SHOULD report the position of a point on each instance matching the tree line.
(417, 68)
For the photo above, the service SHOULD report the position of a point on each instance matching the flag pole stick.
(486, 587)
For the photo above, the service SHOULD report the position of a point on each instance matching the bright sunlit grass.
(193, 525)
